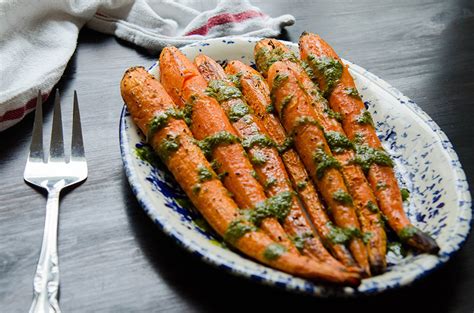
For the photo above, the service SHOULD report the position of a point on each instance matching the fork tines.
(56, 150)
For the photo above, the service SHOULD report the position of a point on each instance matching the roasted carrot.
(264, 156)
(364, 199)
(299, 119)
(209, 124)
(334, 77)
(157, 116)
(257, 95)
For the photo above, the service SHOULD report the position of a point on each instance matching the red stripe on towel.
(224, 19)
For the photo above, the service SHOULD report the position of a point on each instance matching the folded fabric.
(37, 38)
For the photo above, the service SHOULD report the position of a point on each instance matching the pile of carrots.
(284, 163)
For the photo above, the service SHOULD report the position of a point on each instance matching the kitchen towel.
(37, 38)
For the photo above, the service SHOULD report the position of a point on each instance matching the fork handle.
(46, 281)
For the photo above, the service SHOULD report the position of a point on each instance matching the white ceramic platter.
(426, 165)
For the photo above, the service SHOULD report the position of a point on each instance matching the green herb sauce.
(221, 90)
(352, 92)
(366, 237)
(366, 156)
(259, 140)
(237, 111)
(284, 104)
(338, 235)
(324, 161)
(220, 138)
(160, 120)
(278, 81)
(372, 207)
(258, 158)
(337, 142)
(304, 120)
(300, 240)
(405, 194)
(270, 182)
(287, 144)
(264, 57)
(365, 118)
(342, 197)
(204, 173)
(237, 229)
(333, 114)
(235, 79)
(270, 108)
(329, 68)
(167, 146)
(301, 185)
(358, 139)
(407, 232)
(277, 206)
(273, 251)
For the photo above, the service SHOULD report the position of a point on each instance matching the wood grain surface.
(114, 259)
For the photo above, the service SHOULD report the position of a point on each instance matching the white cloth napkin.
(37, 38)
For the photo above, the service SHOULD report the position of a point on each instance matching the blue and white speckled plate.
(426, 164)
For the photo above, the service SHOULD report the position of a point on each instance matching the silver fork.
(53, 175)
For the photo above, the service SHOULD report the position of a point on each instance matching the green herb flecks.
(160, 120)
(372, 207)
(366, 156)
(301, 185)
(329, 68)
(222, 90)
(277, 206)
(258, 158)
(273, 251)
(286, 145)
(204, 173)
(167, 146)
(258, 140)
(236, 230)
(342, 197)
(333, 114)
(300, 240)
(237, 111)
(407, 232)
(352, 91)
(365, 118)
(324, 162)
(405, 194)
(270, 182)
(337, 142)
(284, 103)
(220, 138)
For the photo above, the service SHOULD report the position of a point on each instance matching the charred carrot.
(264, 156)
(299, 119)
(218, 139)
(334, 77)
(364, 199)
(156, 115)
(257, 95)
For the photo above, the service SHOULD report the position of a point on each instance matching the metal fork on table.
(53, 174)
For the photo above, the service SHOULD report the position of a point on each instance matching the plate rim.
(462, 191)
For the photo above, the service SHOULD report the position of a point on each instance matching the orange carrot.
(264, 155)
(157, 116)
(299, 119)
(257, 95)
(209, 124)
(342, 148)
(334, 77)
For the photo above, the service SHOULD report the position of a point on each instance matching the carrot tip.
(423, 242)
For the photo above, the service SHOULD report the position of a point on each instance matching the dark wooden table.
(114, 259)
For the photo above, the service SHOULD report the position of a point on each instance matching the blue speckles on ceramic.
(425, 163)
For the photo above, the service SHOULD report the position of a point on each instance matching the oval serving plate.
(426, 165)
